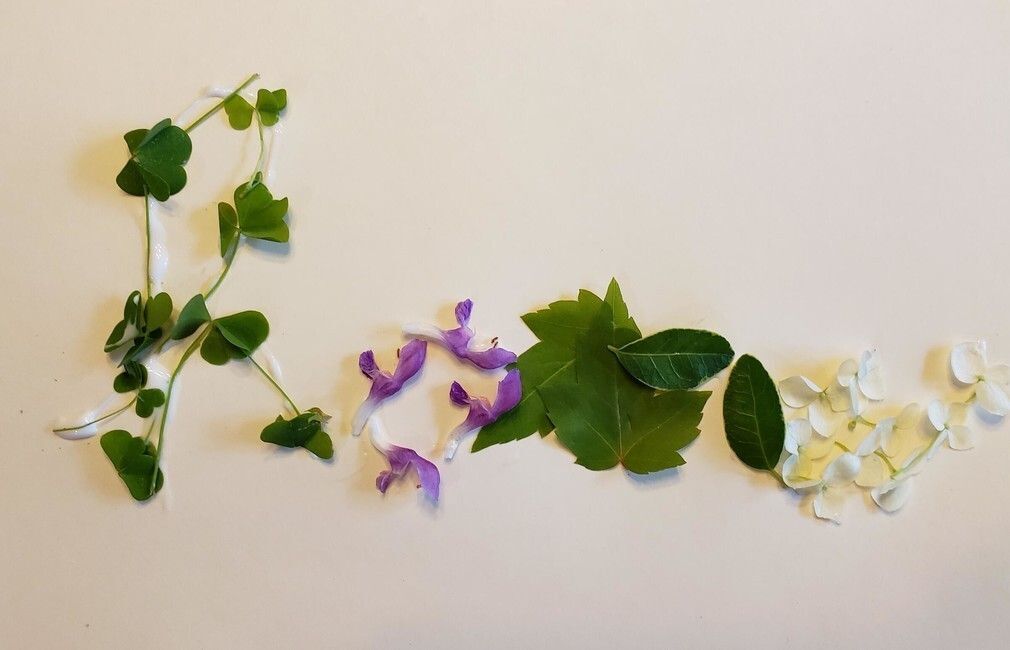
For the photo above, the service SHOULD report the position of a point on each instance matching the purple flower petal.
(482, 412)
(401, 460)
(385, 385)
(459, 341)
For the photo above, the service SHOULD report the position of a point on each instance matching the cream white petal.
(908, 417)
(847, 372)
(818, 447)
(798, 433)
(890, 439)
(798, 391)
(872, 441)
(957, 413)
(960, 437)
(842, 470)
(968, 361)
(828, 504)
(797, 473)
(873, 472)
(855, 400)
(937, 413)
(993, 398)
(821, 417)
(892, 496)
(937, 443)
(839, 398)
(871, 376)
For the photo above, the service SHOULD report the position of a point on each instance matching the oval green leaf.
(676, 359)
(192, 316)
(755, 427)
(245, 330)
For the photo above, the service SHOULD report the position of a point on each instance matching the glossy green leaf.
(259, 215)
(240, 112)
(134, 461)
(676, 358)
(192, 316)
(132, 377)
(124, 330)
(270, 104)
(216, 349)
(304, 430)
(157, 157)
(752, 413)
(245, 330)
(148, 400)
(227, 223)
(157, 311)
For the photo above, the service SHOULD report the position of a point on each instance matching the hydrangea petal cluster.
(970, 365)
(482, 412)
(461, 340)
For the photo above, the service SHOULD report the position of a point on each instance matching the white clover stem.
(455, 438)
(362, 415)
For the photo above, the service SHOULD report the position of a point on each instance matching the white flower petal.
(937, 443)
(892, 496)
(993, 398)
(818, 447)
(872, 441)
(873, 472)
(957, 413)
(871, 376)
(999, 374)
(842, 470)
(798, 433)
(855, 401)
(960, 437)
(937, 413)
(839, 398)
(908, 417)
(968, 361)
(828, 504)
(798, 391)
(890, 439)
(796, 472)
(847, 372)
(821, 417)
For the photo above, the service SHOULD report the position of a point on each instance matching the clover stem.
(203, 118)
(229, 257)
(147, 227)
(887, 460)
(168, 402)
(274, 383)
(100, 418)
(150, 429)
(263, 151)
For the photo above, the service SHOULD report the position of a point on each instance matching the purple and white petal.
(401, 461)
(482, 412)
(385, 385)
(460, 341)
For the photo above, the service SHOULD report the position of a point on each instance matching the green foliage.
(134, 460)
(304, 430)
(157, 157)
(269, 105)
(192, 316)
(234, 337)
(256, 215)
(148, 400)
(574, 384)
(142, 327)
(676, 358)
(132, 377)
(752, 413)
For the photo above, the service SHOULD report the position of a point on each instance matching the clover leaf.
(148, 400)
(239, 112)
(269, 105)
(157, 157)
(131, 317)
(134, 460)
(143, 325)
(192, 316)
(256, 215)
(133, 376)
(234, 337)
(304, 430)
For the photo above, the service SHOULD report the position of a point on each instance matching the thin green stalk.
(276, 385)
(228, 259)
(203, 118)
(99, 419)
(168, 402)
(263, 151)
(842, 447)
(147, 227)
(887, 460)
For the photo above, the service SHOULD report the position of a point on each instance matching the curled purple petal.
(384, 384)
(482, 412)
(458, 394)
(401, 460)
(463, 310)
(459, 341)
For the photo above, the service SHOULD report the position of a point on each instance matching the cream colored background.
(808, 178)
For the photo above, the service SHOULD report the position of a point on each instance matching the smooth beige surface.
(808, 178)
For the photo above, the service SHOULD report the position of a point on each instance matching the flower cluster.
(831, 445)
(411, 358)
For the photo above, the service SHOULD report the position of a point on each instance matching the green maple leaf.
(606, 418)
(157, 157)
(559, 327)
